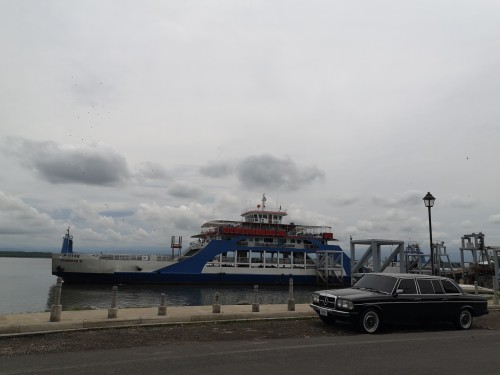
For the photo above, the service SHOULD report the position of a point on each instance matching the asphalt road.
(448, 352)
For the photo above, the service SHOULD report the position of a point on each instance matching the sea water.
(27, 285)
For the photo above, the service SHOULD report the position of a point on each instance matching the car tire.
(370, 321)
(464, 319)
(327, 319)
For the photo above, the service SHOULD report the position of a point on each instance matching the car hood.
(350, 293)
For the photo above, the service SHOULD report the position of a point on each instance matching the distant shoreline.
(25, 254)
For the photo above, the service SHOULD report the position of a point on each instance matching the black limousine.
(379, 297)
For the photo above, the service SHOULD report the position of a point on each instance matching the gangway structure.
(372, 257)
(442, 261)
(481, 268)
(330, 267)
(414, 258)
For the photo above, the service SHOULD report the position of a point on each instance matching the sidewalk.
(31, 323)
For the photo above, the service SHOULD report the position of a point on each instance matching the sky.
(134, 121)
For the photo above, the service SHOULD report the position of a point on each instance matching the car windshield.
(379, 283)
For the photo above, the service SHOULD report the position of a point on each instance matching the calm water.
(27, 285)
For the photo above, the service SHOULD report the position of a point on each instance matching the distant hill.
(24, 254)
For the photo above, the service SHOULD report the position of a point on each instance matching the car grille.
(327, 301)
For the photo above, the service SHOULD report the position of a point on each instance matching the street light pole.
(429, 202)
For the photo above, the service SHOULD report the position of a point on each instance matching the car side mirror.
(397, 291)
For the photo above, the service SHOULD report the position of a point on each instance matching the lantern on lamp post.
(429, 202)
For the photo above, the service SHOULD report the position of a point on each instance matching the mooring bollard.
(113, 311)
(495, 290)
(56, 308)
(162, 309)
(475, 288)
(291, 300)
(255, 304)
(216, 305)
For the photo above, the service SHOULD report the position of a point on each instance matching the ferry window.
(229, 257)
(408, 286)
(299, 241)
(425, 286)
(298, 257)
(292, 241)
(438, 289)
(449, 287)
(270, 258)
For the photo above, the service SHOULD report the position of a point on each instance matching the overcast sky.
(134, 121)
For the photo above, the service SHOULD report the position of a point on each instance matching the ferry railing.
(142, 258)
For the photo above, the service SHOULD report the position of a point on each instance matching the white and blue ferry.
(259, 249)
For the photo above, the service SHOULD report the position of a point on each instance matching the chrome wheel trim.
(465, 319)
(371, 321)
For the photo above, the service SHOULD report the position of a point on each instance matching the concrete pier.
(162, 309)
(56, 308)
(216, 305)
(255, 304)
(291, 300)
(113, 310)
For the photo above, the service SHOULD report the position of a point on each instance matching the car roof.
(409, 275)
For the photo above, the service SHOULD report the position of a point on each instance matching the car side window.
(408, 286)
(449, 287)
(438, 289)
(425, 286)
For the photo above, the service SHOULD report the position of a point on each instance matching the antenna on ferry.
(264, 199)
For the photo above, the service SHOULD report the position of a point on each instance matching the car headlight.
(315, 298)
(344, 304)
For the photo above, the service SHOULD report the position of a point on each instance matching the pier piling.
(162, 309)
(255, 304)
(291, 300)
(113, 311)
(216, 305)
(56, 308)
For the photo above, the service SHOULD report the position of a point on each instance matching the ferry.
(258, 249)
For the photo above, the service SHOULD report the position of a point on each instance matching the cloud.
(345, 200)
(184, 190)
(407, 198)
(150, 171)
(216, 170)
(16, 217)
(463, 202)
(183, 218)
(64, 163)
(495, 219)
(267, 171)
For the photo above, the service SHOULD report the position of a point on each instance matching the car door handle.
(417, 299)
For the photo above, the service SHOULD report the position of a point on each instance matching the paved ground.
(272, 322)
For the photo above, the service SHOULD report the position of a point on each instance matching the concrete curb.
(38, 323)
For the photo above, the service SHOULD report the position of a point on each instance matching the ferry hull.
(158, 278)
(90, 269)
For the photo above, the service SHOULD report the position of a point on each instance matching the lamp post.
(429, 202)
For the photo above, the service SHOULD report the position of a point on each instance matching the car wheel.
(327, 319)
(464, 319)
(370, 321)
